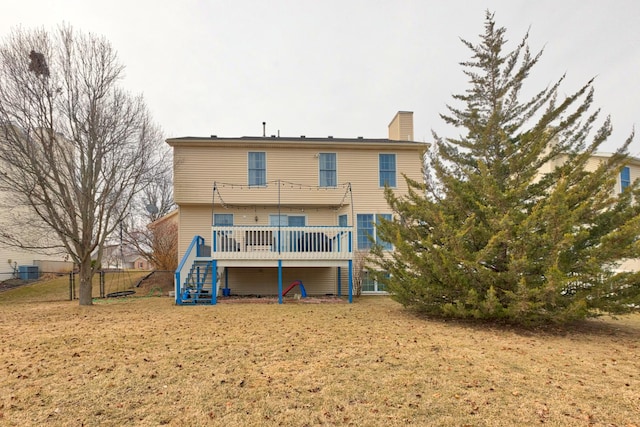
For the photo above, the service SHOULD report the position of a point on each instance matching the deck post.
(177, 286)
(339, 281)
(214, 282)
(350, 281)
(279, 281)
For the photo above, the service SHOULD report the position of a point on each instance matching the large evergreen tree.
(489, 234)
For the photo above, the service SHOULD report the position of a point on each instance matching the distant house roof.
(631, 159)
(164, 218)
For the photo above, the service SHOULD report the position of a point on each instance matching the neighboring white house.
(16, 219)
(629, 173)
(122, 257)
(13, 260)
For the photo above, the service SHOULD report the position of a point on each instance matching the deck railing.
(281, 242)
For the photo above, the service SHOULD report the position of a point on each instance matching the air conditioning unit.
(28, 272)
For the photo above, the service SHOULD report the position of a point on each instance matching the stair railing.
(193, 251)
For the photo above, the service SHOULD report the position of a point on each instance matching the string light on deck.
(280, 184)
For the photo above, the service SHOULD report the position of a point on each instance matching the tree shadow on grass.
(625, 326)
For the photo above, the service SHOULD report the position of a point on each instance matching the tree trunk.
(86, 284)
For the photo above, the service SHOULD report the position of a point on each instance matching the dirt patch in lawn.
(273, 299)
(12, 284)
(161, 281)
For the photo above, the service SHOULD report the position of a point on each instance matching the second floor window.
(257, 168)
(328, 170)
(387, 169)
(625, 178)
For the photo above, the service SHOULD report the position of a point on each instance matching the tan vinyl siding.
(629, 265)
(197, 168)
(194, 221)
(633, 165)
(299, 194)
(406, 130)
(368, 196)
(593, 163)
(401, 127)
(264, 281)
(551, 165)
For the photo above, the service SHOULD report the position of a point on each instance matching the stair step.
(200, 284)
(196, 301)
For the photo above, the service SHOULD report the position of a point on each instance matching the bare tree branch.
(75, 148)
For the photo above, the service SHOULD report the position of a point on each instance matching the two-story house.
(258, 215)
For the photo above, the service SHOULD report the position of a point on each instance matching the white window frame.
(287, 217)
(320, 170)
(626, 182)
(386, 246)
(395, 170)
(264, 184)
(376, 285)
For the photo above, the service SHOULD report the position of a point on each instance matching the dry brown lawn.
(145, 361)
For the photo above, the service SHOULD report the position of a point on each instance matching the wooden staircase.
(200, 285)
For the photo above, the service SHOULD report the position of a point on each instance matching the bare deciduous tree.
(359, 270)
(152, 237)
(164, 245)
(75, 147)
(156, 242)
(157, 197)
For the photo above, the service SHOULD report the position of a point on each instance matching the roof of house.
(631, 159)
(288, 141)
(163, 218)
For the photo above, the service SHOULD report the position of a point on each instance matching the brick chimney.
(401, 127)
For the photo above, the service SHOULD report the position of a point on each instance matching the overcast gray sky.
(341, 67)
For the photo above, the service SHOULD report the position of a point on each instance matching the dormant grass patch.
(145, 361)
(58, 288)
